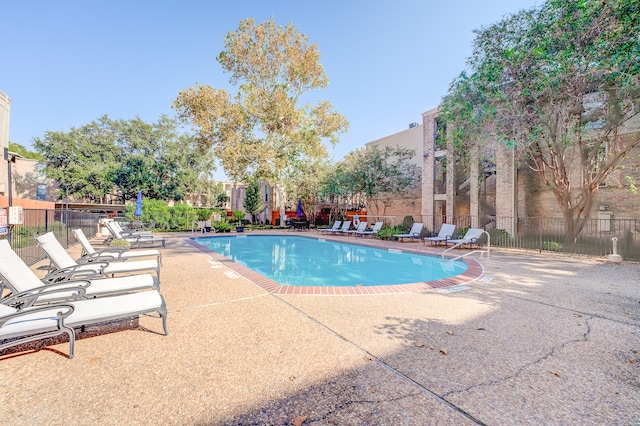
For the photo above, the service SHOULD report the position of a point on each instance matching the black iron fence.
(549, 234)
(539, 234)
(39, 221)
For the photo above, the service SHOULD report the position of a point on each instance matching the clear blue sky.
(66, 63)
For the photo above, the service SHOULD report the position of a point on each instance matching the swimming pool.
(302, 261)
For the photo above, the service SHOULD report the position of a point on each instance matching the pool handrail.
(482, 252)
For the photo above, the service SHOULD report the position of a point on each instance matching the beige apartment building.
(409, 204)
(495, 193)
(5, 112)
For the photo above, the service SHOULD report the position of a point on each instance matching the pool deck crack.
(382, 363)
(552, 352)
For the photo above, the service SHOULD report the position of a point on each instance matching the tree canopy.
(22, 150)
(262, 132)
(372, 176)
(557, 83)
(107, 157)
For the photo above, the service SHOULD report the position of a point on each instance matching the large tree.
(22, 150)
(381, 175)
(83, 160)
(557, 83)
(262, 132)
(124, 157)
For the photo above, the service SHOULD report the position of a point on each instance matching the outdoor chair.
(413, 233)
(140, 239)
(362, 226)
(23, 324)
(19, 279)
(470, 237)
(63, 262)
(445, 234)
(343, 229)
(376, 228)
(129, 232)
(335, 227)
(112, 253)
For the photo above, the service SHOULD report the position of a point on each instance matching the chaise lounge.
(133, 239)
(19, 279)
(376, 228)
(112, 253)
(445, 234)
(413, 233)
(62, 262)
(470, 237)
(27, 324)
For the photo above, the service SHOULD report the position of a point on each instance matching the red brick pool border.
(473, 272)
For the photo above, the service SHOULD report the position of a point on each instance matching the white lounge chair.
(38, 322)
(376, 228)
(335, 227)
(413, 233)
(445, 234)
(61, 260)
(127, 233)
(470, 237)
(21, 280)
(113, 253)
(133, 239)
(343, 229)
(362, 226)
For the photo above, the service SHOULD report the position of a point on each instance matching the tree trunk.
(281, 201)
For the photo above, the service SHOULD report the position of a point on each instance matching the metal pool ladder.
(482, 252)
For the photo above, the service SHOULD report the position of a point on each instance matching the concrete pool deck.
(538, 339)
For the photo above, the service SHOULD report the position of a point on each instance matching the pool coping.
(473, 272)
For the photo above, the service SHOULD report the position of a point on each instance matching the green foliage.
(387, 232)
(19, 149)
(126, 156)
(499, 235)
(120, 243)
(551, 245)
(222, 226)
(460, 232)
(631, 181)
(369, 176)
(407, 223)
(253, 201)
(556, 83)
(263, 131)
(238, 215)
(181, 216)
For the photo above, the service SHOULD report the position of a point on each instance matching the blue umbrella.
(300, 212)
(138, 211)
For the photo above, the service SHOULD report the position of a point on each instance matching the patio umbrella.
(138, 211)
(300, 212)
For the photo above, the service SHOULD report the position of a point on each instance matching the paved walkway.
(538, 339)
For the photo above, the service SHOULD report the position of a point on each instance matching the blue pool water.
(301, 261)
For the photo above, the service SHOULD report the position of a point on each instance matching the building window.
(40, 169)
(41, 192)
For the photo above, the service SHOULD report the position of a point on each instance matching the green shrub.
(387, 232)
(498, 235)
(551, 245)
(460, 232)
(407, 223)
(238, 215)
(120, 243)
(222, 226)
